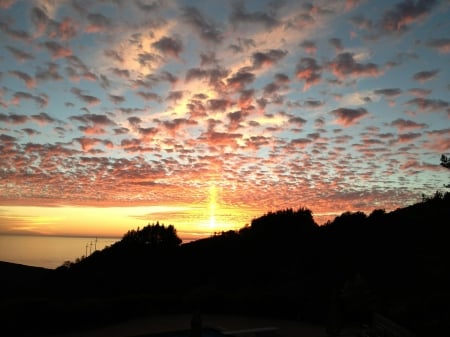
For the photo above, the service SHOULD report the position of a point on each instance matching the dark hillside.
(283, 265)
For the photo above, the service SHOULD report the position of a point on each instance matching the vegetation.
(445, 162)
(283, 264)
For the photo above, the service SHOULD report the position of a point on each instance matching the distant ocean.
(48, 251)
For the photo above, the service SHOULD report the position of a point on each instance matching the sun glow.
(212, 206)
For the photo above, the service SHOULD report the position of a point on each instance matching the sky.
(206, 114)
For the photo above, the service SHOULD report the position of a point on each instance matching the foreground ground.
(157, 324)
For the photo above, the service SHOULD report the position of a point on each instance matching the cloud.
(56, 50)
(88, 144)
(174, 96)
(116, 99)
(298, 121)
(345, 65)
(269, 58)
(309, 46)
(418, 167)
(246, 99)
(88, 99)
(428, 104)
(42, 118)
(397, 19)
(20, 55)
(49, 74)
(239, 15)
(439, 140)
(218, 104)
(423, 76)
(5, 4)
(149, 96)
(7, 143)
(336, 43)
(31, 132)
(41, 100)
(98, 23)
(173, 126)
(361, 22)
(389, 92)
(148, 7)
(403, 124)
(13, 119)
(240, 79)
(93, 125)
(19, 35)
(347, 117)
(309, 71)
(168, 45)
(203, 26)
(29, 81)
(221, 139)
(131, 145)
(443, 45)
(122, 73)
(235, 118)
(40, 19)
(408, 137)
(300, 142)
(419, 92)
(65, 30)
(352, 4)
(147, 133)
(243, 44)
(114, 55)
(134, 122)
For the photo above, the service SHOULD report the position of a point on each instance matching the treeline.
(283, 264)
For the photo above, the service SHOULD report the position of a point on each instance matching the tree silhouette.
(154, 235)
(445, 162)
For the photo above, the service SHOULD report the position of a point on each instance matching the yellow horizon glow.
(212, 206)
(191, 222)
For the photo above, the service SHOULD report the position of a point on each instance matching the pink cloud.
(20, 55)
(29, 81)
(309, 46)
(88, 99)
(344, 65)
(428, 104)
(443, 45)
(5, 4)
(87, 143)
(309, 71)
(56, 50)
(347, 116)
(170, 46)
(405, 13)
(408, 137)
(269, 58)
(423, 76)
(439, 140)
(97, 23)
(43, 118)
(240, 79)
(403, 124)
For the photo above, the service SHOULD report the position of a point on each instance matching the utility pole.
(95, 249)
(90, 250)
(85, 255)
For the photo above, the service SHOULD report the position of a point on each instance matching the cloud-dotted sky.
(333, 105)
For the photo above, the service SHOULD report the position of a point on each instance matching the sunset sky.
(206, 114)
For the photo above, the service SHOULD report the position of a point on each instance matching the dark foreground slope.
(283, 265)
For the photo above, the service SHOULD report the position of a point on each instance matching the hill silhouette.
(283, 264)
